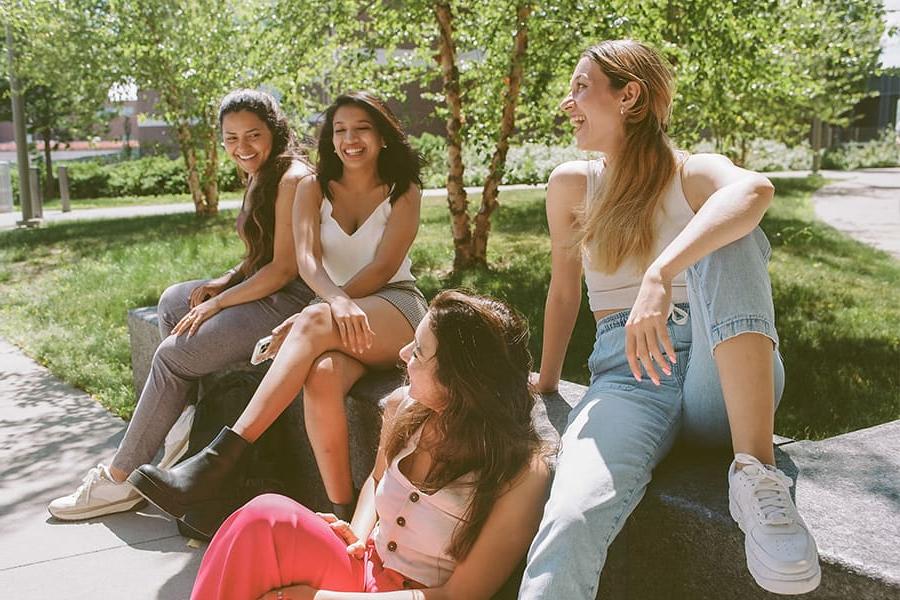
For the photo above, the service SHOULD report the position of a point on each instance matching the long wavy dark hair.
(398, 165)
(258, 231)
(483, 364)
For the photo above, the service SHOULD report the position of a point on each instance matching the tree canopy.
(494, 70)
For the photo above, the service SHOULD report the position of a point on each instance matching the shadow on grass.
(797, 185)
(90, 238)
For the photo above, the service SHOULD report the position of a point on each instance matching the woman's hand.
(210, 289)
(196, 316)
(352, 324)
(279, 334)
(542, 387)
(355, 547)
(292, 592)
(646, 331)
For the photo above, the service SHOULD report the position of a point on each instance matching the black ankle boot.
(344, 512)
(198, 479)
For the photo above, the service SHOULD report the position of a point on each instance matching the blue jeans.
(621, 429)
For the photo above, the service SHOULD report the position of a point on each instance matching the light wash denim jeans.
(621, 429)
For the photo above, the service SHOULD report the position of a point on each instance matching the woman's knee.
(174, 303)
(325, 377)
(314, 320)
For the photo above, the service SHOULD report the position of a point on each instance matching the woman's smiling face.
(421, 366)
(247, 140)
(356, 138)
(594, 108)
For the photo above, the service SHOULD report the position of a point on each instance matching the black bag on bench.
(267, 466)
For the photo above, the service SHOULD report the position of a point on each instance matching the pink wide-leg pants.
(274, 542)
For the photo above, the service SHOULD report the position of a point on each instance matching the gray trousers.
(226, 338)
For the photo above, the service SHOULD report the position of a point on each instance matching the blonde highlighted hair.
(619, 222)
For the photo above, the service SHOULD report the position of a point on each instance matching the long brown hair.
(483, 364)
(258, 230)
(618, 223)
(399, 165)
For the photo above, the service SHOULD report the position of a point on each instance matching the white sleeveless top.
(620, 289)
(414, 528)
(343, 254)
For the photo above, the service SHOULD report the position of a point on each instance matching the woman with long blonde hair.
(675, 268)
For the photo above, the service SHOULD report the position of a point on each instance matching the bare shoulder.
(392, 402)
(295, 173)
(412, 196)
(308, 188)
(570, 175)
(533, 479)
(566, 190)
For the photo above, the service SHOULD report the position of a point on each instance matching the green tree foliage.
(191, 53)
(63, 61)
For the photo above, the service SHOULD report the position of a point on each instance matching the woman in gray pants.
(208, 324)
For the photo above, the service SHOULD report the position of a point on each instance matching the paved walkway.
(50, 435)
(865, 205)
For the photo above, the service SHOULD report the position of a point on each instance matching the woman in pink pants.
(455, 496)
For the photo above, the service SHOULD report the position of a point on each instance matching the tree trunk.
(816, 144)
(126, 128)
(210, 174)
(507, 125)
(742, 161)
(189, 153)
(49, 182)
(456, 192)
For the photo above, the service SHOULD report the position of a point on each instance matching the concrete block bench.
(681, 541)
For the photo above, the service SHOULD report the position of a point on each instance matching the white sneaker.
(176, 443)
(781, 552)
(97, 495)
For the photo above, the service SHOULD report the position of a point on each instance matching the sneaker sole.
(772, 581)
(99, 511)
(147, 488)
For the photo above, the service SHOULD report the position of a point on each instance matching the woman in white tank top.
(455, 495)
(675, 267)
(354, 223)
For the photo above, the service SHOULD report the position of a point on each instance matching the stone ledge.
(681, 541)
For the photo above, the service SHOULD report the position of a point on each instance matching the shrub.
(769, 155)
(528, 163)
(880, 152)
(147, 177)
(88, 179)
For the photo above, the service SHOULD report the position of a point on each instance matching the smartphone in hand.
(261, 350)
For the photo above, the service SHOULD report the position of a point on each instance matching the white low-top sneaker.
(781, 552)
(97, 495)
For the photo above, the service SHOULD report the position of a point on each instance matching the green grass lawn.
(65, 289)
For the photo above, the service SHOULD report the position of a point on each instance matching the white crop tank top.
(619, 290)
(343, 254)
(414, 528)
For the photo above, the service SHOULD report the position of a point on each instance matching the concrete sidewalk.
(50, 435)
(865, 205)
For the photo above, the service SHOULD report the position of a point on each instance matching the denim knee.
(732, 288)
